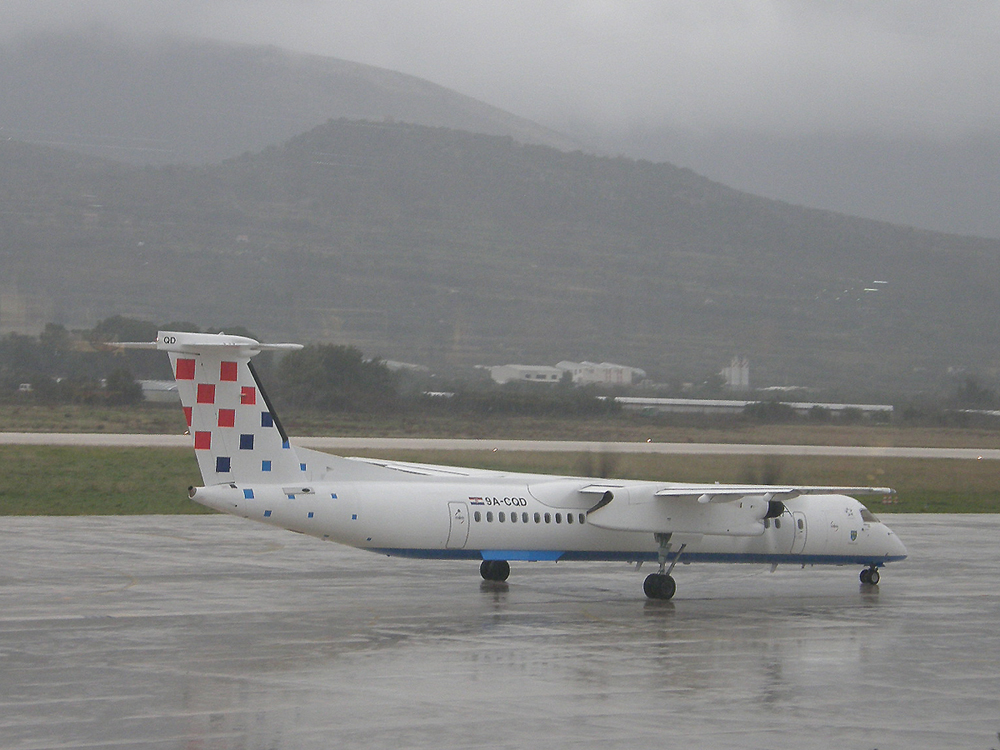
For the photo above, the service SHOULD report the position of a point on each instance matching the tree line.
(64, 366)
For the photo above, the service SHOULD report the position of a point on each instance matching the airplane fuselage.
(504, 520)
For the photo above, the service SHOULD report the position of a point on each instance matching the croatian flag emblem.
(476, 501)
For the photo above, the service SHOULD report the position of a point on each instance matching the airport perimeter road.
(553, 446)
(213, 632)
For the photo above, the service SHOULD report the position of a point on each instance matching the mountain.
(198, 102)
(186, 101)
(943, 183)
(447, 247)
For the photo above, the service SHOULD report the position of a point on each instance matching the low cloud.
(889, 67)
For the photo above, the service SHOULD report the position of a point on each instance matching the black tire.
(659, 586)
(651, 586)
(668, 588)
(494, 570)
(501, 570)
(866, 576)
(873, 577)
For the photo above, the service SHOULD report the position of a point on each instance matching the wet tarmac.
(210, 632)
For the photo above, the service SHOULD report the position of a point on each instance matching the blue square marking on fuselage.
(248, 494)
(265, 465)
(267, 514)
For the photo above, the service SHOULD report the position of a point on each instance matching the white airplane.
(250, 469)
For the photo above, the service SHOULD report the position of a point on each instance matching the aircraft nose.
(897, 550)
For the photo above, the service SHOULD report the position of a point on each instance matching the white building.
(525, 374)
(736, 377)
(581, 373)
(725, 406)
(605, 373)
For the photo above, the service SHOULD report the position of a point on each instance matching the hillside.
(447, 247)
(203, 101)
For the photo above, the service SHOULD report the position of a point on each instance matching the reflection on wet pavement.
(211, 632)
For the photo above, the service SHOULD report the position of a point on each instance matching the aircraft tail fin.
(237, 436)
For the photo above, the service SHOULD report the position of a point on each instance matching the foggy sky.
(911, 67)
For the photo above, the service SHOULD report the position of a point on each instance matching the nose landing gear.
(870, 576)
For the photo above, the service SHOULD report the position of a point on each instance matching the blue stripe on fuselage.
(596, 556)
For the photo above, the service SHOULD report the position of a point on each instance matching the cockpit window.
(867, 516)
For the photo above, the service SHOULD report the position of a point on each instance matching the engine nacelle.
(775, 509)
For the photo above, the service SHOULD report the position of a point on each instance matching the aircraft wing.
(711, 493)
(722, 509)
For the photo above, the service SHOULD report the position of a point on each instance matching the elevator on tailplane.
(251, 469)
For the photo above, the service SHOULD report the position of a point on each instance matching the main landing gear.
(661, 585)
(870, 575)
(494, 570)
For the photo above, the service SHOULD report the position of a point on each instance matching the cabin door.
(458, 530)
(799, 527)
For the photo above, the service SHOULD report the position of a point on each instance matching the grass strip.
(66, 481)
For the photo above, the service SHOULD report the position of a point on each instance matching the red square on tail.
(185, 369)
(227, 417)
(248, 395)
(228, 372)
(206, 393)
(187, 415)
(202, 441)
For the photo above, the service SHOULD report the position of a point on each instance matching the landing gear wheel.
(494, 570)
(870, 576)
(659, 586)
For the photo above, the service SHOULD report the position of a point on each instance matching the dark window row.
(503, 517)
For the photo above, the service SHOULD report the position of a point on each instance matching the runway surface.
(556, 446)
(211, 632)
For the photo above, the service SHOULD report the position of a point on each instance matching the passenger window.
(777, 523)
(478, 516)
(558, 517)
(569, 518)
(513, 517)
(767, 523)
(583, 518)
(501, 516)
(802, 524)
(489, 516)
(548, 518)
(524, 517)
(538, 518)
